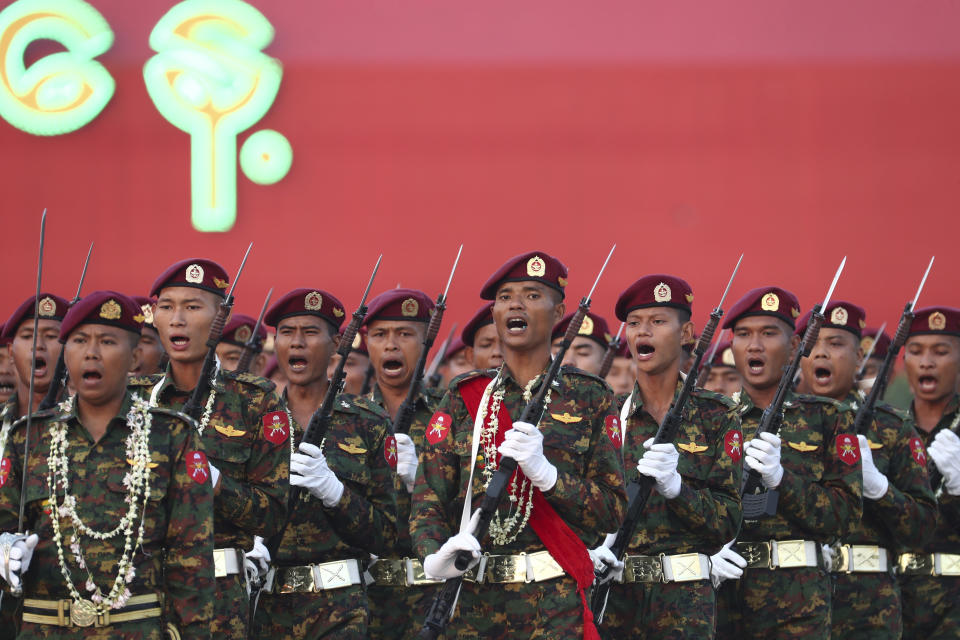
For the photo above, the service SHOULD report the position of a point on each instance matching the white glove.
(406, 460)
(259, 555)
(763, 456)
(602, 556)
(308, 469)
(440, 564)
(660, 463)
(17, 562)
(524, 443)
(945, 451)
(214, 474)
(874, 483)
(726, 564)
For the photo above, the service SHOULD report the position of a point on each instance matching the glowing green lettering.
(210, 79)
(62, 91)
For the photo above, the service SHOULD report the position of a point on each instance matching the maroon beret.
(936, 320)
(593, 327)
(103, 307)
(869, 337)
(271, 366)
(481, 318)
(533, 265)
(146, 310)
(765, 301)
(4, 341)
(51, 308)
(623, 351)
(240, 328)
(723, 356)
(359, 341)
(657, 290)
(198, 273)
(456, 346)
(839, 315)
(400, 304)
(307, 302)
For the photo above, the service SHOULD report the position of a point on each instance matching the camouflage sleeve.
(437, 501)
(366, 516)
(908, 508)
(830, 506)
(9, 488)
(949, 509)
(712, 505)
(591, 497)
(257, 503)
(188, 563)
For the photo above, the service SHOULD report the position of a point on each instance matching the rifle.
(608, 356)
(433, 373)
(442, 608)
(253, 344)
(407, 410)
(864, 417)
(641, 488)
(320, 420)
(707, 365)
(59, 378)
(866, 356)
(759, 503)
(195, 403)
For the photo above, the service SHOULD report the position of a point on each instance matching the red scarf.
(562, 543)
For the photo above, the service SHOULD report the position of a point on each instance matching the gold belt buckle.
(83, 613)
(332, 575)
(544, 567)
(419, 576)
(219, 563)
(949, 564)
(685, 567)
(295, 580)
(757, 554)
(791, 554)
(389, 572)
(507, 569)
(916, 564)
(864, 558)
(642, 569)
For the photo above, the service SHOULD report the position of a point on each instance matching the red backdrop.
(686, 133)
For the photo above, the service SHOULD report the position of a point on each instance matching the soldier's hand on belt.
(308, 469)
(524, 443)
(603, 556)
(406, 460)
(726, 564)
(763, 456)
(874, 483)
(945, 451)
(15, 560)
(440, 565)
(259, 555)
(659, 461)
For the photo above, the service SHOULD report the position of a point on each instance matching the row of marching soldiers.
(139, 522)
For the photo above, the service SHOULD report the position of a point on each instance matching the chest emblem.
(349, 448)
(611, 425)
(197, 466)
(390, 451)
(4, 471)
(733, 444)
(692, 447)
(803, 447)
(917, 451)
(848, 449)
(228, 430)
(566, 418)
(276, 427)
(438, 427)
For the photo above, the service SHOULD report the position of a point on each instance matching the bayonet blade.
(833, 284)
(620, 330)
(913, 305)
(716, 345)
(239, 271)
(873, 346)
(263, 311)
(373, 277)
(83, 275)
(602, 269)
(452, 271)
(730, 282)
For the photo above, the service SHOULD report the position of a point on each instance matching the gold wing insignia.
(875, 445)
(229, 431)
(152, 465)
(692, 447)
(803, 446)
(349, 448)
(566, 418)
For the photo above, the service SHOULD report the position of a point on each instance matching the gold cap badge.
(313, 301)
(110, 310)
(338, 312)
(839, 316)
(662, 292)
(727, 357)
(409, 308)
(866, 343)
(194, 274)
(221, 284)
(561, 281)
(863, 325)
(689, 298)
(770, 302)
(48, 307)
(795, 312)
(147, 311)
(536, 267)
(937, 321)
(586, 328)
(357, 341)
(243, 333)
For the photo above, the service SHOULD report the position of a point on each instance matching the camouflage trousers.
(660, 610)
(231, 609)
(931, 607)
(397, 613)
(9, 616)
(779, 603)
(338, 613)
(550, 610)
(865, 605)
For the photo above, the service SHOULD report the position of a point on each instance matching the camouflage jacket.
(946, 536)
(427, 401)
(250, 450)
(578, 439)
(176, 557)
(365, 519)
(820, 493)
(903, 516)
(707, 512)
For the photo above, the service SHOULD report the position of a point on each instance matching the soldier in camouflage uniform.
(151, 358)
(396, 323)
(814, 464)
(723, 377)
(347, 510)
(8, 373)
(244, 429)
(898, 505)
(115, 449)
(871, 337)
(568, 488)
(233, 342)
(17, 333)
(930, 571)
(695, 509)
(483, 343)
(589, 347)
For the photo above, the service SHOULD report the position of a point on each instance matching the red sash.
(562, 543)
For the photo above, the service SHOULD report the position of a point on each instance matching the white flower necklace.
(207, 409)
(521, 499)
(136, 480)
(5, 430)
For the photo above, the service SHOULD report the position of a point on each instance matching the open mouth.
(297, 363)
(6, 387)
(392, 366)
(822, 375)
(644, 351)
(927, 383)
(92, 376)
(516, 325)
(39, 366)
(755, 365)
(179, 342)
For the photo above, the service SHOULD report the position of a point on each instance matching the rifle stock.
(610, 354)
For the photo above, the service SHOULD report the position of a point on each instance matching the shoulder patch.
(918, 452)
(276, 427)
(438, 427)
(4, 470)
(250, 379)
(197, 466)
(611, 425)
(390, 451)
(733, 444)
(848, 449)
